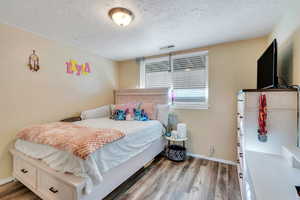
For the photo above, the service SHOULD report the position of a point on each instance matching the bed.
(96, 178)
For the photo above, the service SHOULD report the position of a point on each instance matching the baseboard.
(211, 158)
(6, 180)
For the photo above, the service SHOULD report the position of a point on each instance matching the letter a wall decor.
(74, 68)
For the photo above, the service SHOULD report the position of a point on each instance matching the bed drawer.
(52, 188)
(25, 172)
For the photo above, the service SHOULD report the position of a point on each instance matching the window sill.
(190, 107)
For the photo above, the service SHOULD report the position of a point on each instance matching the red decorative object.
(262, 115)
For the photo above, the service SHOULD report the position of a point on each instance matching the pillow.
(163, 113)
(129, 106)
(140, 115)
(150, 109)
(103, 111)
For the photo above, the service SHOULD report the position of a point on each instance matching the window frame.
(183, 105)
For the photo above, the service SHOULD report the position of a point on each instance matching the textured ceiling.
(183, 23)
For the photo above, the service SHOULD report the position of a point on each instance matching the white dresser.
(253, 156)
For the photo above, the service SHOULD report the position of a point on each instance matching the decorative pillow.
(129, 106)
(103, 111)
(150, 109)
(140, 115)
(120, 114)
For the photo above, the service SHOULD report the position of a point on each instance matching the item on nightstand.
(174, 134)
(181, 129)
(168, 134)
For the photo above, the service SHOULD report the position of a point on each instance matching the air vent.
(167, 47)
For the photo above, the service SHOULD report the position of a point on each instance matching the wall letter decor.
(74, 68)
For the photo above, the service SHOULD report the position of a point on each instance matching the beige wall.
(128, 74)
(49, 94)
(287, 33)
(232, 66)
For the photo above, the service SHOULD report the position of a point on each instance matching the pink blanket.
(79, 140)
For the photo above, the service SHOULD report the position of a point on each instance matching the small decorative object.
(174, 134)
(120, 114)
(172, 96)
(140, 115)
(182, 130)
(74, 67)
(33, 62)
(262, 117)
(172, 121)
(168, 134)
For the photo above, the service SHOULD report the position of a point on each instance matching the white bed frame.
(52, 185)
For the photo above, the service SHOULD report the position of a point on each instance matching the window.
(186, 74)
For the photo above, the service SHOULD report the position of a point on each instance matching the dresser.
(254, 157)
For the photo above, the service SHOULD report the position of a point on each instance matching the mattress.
(139, 135)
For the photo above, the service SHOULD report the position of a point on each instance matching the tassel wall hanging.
(262, 117)
(33, 62)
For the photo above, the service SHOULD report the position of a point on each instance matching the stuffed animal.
(140, 115)
(120, 114)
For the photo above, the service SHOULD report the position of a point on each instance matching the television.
(267, 68)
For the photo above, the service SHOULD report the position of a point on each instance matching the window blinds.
(186, 74)
(158, 74)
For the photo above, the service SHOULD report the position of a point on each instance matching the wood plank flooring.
(194, 179)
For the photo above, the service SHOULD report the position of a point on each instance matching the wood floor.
(194, 179)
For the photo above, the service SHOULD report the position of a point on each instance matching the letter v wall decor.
(74, 68)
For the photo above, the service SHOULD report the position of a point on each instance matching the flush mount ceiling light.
(121, 16)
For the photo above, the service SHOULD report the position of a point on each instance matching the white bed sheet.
(139, 135)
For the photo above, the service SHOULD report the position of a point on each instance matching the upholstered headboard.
(150, 95)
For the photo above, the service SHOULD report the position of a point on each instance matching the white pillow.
(163, 113)
(103, 111)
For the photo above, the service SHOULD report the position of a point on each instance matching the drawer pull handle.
(24, 171)
(53, 190)
(241, 155)
(238, 161)
(241, 175)
(238, 144)
(241, 117)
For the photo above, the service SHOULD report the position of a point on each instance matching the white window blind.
(158, 74)
(186, 74)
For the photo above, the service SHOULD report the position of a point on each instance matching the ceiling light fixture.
(121, 16)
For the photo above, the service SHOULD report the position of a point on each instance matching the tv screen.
(267, 68)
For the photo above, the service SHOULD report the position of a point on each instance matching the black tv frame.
(275, 84)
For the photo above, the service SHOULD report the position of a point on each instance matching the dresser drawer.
(25, 172)
(53, 188)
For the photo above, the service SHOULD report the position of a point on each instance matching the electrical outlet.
(211, 150)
